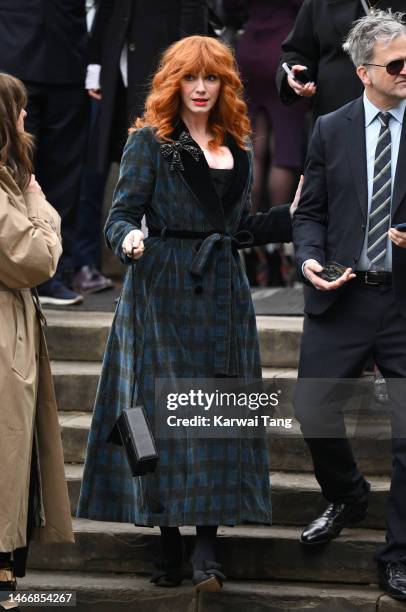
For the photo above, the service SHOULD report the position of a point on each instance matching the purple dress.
(258, 54)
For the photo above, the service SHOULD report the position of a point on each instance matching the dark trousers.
(363, 323)
(89, 231)
(57, 117)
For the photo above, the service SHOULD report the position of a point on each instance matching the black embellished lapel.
(197, 176)
(343, 13)
(240, 174)
(356, 151)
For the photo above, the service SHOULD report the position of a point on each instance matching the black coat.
(316, 42)
(148, 27)
(44, 41)
(330, 221)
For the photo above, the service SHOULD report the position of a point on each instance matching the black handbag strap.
(134, 338)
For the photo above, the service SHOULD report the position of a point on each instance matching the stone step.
(129, 593)
(74, 476)
(371, 446)
(82, 336)
(283, 381)
(75, 384)
(288, 451)
(77, 336)
(296, 498)
(270, 553)
(75, 428)
(279, 340)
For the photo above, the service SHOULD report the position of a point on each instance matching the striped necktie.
(379, 214)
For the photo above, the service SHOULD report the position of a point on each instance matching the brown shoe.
(90, 280)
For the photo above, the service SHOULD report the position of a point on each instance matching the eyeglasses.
(394, 67)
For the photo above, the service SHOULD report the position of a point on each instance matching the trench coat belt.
(226, 361)
(239, 240)
(35, 299)
(4, 287)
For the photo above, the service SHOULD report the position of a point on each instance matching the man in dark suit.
(127, 39)
(316, 42)
(354, 193)
(44, 44)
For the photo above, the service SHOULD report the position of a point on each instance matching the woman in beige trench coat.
(34, 499)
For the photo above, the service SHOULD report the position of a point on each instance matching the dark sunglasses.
(394, 67)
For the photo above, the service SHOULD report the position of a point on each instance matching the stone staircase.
(267, 568)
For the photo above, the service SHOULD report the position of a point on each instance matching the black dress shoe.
(392, 578)
(330, 524)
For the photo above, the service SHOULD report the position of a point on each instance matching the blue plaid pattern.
(179, 334)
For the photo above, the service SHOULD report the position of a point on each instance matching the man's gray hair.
(382, 26)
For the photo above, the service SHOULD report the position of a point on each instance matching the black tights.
(171, 541)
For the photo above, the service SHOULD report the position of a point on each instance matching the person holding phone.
(352, 211)
(314, 47)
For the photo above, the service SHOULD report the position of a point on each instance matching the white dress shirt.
(372, 129)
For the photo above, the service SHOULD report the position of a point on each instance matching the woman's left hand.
(397, 237)
(33, 186)
(298, 193)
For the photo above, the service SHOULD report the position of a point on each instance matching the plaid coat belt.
(225, 358)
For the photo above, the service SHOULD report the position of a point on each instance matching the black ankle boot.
(168, 568)
(167, 574)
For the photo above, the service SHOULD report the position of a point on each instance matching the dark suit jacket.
(44, 41)
(316, 42)
(330, 221)
(148, 27)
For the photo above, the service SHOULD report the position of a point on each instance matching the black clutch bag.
(132, 429)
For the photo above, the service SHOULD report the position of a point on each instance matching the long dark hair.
(15, 146)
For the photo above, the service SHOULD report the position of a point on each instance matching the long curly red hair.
(195, 55)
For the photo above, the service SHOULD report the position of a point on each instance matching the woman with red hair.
(187, 167)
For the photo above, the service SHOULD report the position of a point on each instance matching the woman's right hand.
(33, 186)
(304, 91)
(133, 244)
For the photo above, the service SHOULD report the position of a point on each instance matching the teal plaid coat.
(193, 318)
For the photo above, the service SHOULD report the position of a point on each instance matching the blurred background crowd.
(87, 64)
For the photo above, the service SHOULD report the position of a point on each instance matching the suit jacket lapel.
(343, 12)
(399, 188)
(356, 151)
(197, 176)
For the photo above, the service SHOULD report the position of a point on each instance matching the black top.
(222, 179)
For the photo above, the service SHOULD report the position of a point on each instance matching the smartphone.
(400, 226)
(331, 271)
(301, 77)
